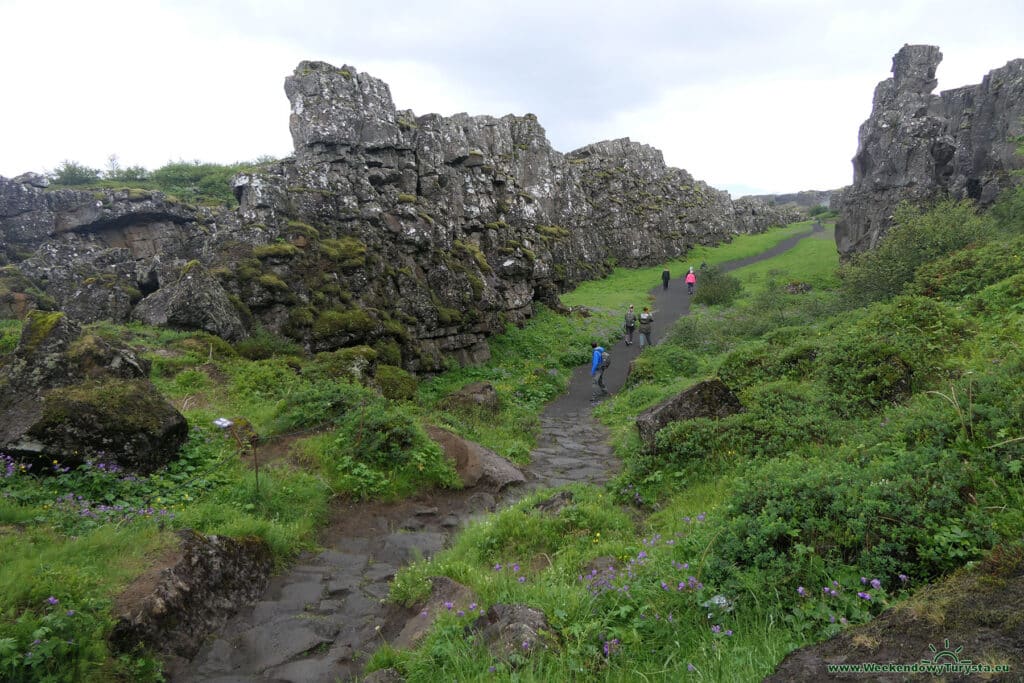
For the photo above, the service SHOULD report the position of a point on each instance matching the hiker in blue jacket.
(598, 364)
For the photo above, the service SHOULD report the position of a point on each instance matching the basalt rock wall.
(418, 236)
(917, 146)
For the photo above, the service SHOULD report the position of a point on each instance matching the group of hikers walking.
(600, 358)
(690, 278)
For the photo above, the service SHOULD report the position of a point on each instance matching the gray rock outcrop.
(918, 147)
(385, 229)
(710, 398)
(195, 301)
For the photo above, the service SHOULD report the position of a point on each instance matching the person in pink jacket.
(691, 280)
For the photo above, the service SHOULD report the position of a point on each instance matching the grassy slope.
(686, 520)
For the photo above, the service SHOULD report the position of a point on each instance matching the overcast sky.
(749, 96)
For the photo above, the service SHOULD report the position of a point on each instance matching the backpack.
(606, 359)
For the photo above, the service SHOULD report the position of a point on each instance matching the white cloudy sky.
(748, 95)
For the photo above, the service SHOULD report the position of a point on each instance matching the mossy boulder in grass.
(126, 421)
(710, 398)
(477, 396)
(977, 610)
(395, 383)
(70, 397)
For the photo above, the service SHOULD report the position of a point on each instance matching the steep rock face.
(419, 236)
(917, 146)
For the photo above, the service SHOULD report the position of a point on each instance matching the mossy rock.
(347, 251)
(352, 362)
(126, 421)
(276, 250)
(395, 383)
(354, 322)
(40, 326)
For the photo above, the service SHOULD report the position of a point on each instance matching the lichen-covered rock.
(71, 397)
(710, 398)
(194, 596)
(515, 629)
(195, 301)
(917, 146)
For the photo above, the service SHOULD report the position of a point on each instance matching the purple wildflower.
(52, 600)
(801, 592)
(700, 517)
(522, 579)
(864, 596)
(864, 580)
(691, 667)
(448, 605)
(515, 567)
(904, 578)
(497, 567)
(461, 613)
(716, 629)
(876, 584)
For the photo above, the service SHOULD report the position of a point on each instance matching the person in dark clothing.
(646, 318)
(665, 277)
(629, 324)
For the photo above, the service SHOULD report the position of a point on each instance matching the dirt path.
(317, 622)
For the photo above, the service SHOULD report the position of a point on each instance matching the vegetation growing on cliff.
(195, 182)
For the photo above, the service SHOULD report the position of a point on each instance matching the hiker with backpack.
(629, 325)
(598, 364)
(646, 318)
(691, 280)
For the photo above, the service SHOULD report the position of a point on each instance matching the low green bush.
(716, 288)
(395, 383)
(969, 270)
(916, 237)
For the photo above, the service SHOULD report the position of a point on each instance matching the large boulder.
(173, 608)
(196, 301)
(710, 398)
(476, 465)
(73, 397)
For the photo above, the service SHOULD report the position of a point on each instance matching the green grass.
(730, 503)
(745, 502)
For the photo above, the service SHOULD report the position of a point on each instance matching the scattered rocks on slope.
(710, 398)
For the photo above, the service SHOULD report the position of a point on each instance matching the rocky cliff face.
(917, 146)
(419, 236)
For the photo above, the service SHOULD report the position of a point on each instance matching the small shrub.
(395, 383)
(263, 345)
(916, 238)
(716, 288)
